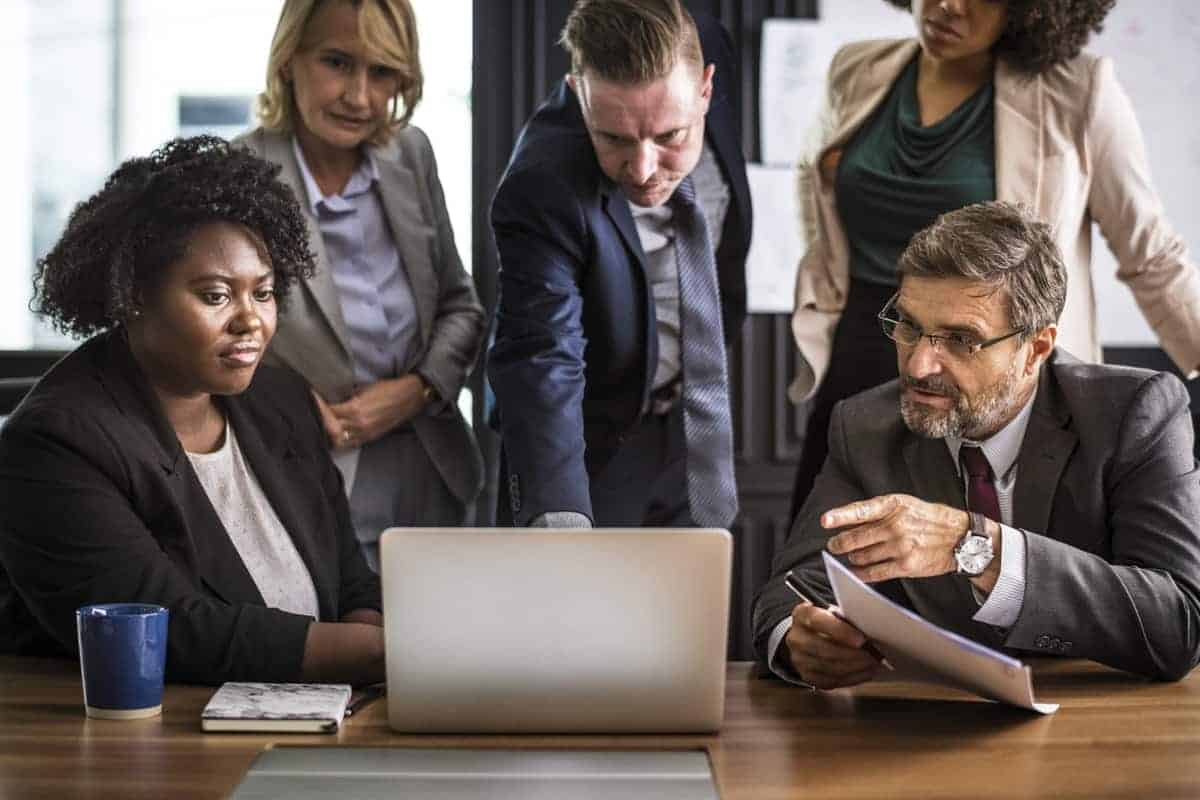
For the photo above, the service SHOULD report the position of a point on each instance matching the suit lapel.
(616, 208)
(266, 441)
(208, 546)
(868, 90)
(123, 379)
(1020, 155)
(411, 234)
(932, 472)
(220, 566)
(278, 149)
(1047, 447)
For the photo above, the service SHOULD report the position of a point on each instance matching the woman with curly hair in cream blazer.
(388, 329)
(993, 99)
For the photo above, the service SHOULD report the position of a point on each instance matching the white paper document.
(921, 650)
(777, 243)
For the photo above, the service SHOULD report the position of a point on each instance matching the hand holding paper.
(922, 650)
(828, 652)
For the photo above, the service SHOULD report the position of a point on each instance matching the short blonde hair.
(388, 28)
(630, 41)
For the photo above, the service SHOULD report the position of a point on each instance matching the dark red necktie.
(981, 490)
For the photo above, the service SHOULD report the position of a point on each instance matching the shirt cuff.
(1004, 604)
(782, 668)
(561, 519)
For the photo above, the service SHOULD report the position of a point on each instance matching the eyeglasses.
(956, 345)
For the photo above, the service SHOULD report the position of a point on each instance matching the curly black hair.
(1044, 33)
(118, 242)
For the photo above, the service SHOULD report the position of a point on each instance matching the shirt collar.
(1002, 447)
(363, 178)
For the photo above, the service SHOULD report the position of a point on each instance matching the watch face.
(974, 554)
(975, 563)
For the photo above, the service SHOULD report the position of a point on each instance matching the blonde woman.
(387, 330)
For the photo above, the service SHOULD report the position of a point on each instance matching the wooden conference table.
(1114, 736)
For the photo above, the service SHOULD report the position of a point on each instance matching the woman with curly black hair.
(993, 99)
(159, 462)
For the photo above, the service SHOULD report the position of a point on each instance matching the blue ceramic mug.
(122, 655)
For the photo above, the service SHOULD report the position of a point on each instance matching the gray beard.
(990, 412)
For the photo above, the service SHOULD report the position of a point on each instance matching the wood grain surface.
(1114, 736)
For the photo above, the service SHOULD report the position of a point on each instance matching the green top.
(896, 176)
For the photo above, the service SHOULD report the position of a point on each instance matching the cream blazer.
(1068, 146)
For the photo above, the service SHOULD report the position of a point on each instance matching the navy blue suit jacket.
(576, 343)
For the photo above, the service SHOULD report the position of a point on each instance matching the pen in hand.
(793, 582)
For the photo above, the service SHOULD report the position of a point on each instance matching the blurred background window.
(89, 83)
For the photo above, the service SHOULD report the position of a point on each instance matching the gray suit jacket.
(312, 337)
(1107, 494)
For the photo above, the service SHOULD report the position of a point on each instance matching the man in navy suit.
(622, 224)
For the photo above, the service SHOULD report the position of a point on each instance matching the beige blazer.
(313, 339)
(1068, 146)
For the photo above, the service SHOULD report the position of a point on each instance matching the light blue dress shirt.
(373, 287)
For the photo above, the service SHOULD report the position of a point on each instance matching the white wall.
(169, 49)
(1155, 47)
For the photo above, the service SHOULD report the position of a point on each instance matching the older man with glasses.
(999, 487)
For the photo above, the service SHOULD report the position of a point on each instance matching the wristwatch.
(974, 550)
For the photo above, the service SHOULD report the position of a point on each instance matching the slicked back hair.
(631, 42)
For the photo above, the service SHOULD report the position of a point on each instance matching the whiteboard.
(793, 70)
(1155, 47)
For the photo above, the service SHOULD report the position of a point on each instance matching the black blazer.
(99, 503)
(576, 344)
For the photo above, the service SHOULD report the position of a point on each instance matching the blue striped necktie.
(708, 429)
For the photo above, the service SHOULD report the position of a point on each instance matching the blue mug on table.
(122, 655)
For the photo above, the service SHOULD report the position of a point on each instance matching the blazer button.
(1043, 641)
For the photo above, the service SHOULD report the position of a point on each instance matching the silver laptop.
(555, 631)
